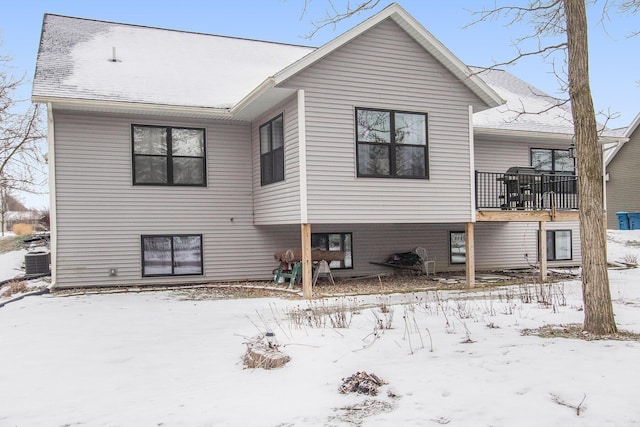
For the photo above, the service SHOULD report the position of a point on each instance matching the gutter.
(139, 107)
(252, 96)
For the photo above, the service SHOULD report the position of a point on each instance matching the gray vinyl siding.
(498, 245)
(101, 215)
(279, 202)
(384, 68)
(498, 156)
(623, 186)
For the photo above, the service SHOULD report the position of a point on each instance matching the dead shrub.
(14, 287)
(22, 229)
(631, 259)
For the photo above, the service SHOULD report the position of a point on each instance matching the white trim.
(632, 127)
(302, 157)
(627, 135)
(252, 96)
(419, 33)
(472, 165)
(53, 217)
(140, 107)
(529, 134)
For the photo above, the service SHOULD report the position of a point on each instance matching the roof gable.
(420, 34)
(625, 134)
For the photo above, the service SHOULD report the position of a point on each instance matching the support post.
(469, 243)
(305, 232)
(542, 250)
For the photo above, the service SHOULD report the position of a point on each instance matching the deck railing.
(519, 191)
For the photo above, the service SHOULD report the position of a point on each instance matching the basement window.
(559, 245)
(335, 242)
(171, 255)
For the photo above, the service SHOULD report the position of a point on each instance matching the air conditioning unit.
(37, 263)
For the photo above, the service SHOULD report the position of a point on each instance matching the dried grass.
(575, 331)
(22, 229)
(14, 287)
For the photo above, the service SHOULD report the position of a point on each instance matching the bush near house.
(22, 229)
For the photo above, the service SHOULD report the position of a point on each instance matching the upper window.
(391, 144)
(177, 255)
(559, 245)
(168, 155)
(334, 242)
(552, 161)
(272, 151)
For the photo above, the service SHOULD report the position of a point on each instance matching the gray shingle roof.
(153, 65)
(527, 108)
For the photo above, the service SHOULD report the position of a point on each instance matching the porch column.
(469, 244)
(305, 233)
(542, 250)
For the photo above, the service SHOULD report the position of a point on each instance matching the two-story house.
(181, 157)
(623, 193)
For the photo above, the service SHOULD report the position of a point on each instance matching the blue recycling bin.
(634, 220)
(623, 220)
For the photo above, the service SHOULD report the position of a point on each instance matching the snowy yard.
(457, 359)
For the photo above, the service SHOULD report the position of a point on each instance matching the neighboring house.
(178, 157)
(623, 175)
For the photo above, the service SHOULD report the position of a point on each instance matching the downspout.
(53, 223)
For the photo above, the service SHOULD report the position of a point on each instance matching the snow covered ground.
(152, 359)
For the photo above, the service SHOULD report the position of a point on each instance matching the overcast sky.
(615, 59)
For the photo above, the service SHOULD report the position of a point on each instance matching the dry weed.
(14, 287)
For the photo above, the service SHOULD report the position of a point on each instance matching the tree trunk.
(598, 310)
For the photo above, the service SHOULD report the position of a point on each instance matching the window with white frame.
(171, 255)
(335, 242)
(391, 144)
(164, 155)
(272, 151)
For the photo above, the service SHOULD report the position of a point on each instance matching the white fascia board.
(256, 93)
(143, 108)
(621, 141)
(509, 133)
(419, 33)
(435, 47)
(633, 126)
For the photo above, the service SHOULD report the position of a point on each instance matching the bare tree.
(21, 141)
(335, 14)
(566, 21)
(598, 310)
